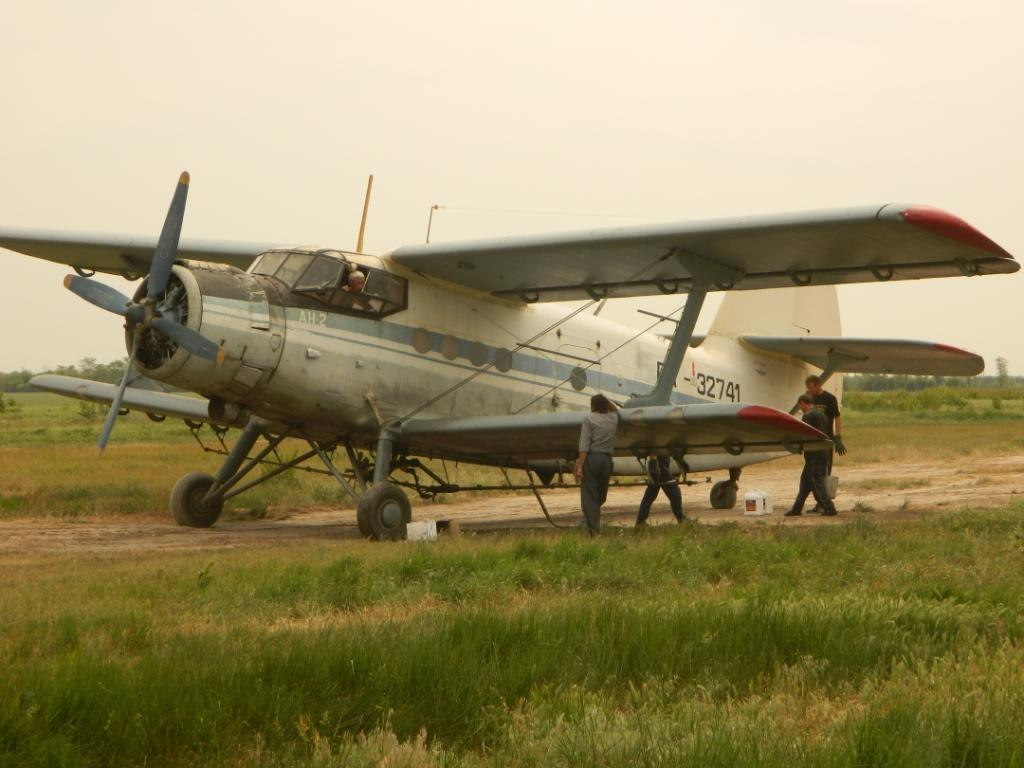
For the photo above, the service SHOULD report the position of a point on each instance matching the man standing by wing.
(594, 465)
(812, 479)
(826, 403)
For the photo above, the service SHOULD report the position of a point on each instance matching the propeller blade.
(115, 406)
(99, 294)
(194, 342)
(167, 245)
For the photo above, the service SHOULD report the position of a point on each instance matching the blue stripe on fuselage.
(523, 363)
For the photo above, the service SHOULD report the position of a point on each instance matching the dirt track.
(880, 492)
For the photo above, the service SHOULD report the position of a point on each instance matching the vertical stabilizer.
(805, 311)
(810, 311)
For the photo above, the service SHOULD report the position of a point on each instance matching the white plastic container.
(425, 530)
(757, 503)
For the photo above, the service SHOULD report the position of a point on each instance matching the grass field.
(861, 644)
(855, 645)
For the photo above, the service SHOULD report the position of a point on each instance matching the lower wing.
(146, 400)
(679, 431)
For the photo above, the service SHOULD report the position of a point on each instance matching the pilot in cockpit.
(356, 281)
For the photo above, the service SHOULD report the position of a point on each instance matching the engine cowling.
(229, 307)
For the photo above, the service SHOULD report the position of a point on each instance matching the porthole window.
(578, 378)
(421, 341)
(503, 360)
(477, 353)
(450, 347)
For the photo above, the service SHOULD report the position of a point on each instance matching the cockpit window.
(381, 293)
(293, 266)
(268, 263)
(321, 276)
(331, 279)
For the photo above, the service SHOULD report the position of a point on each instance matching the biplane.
(482, 352)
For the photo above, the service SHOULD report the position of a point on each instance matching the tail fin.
(810, 311)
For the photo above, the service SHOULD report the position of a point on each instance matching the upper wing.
(162, 403)
(121, 254)
(894, 242)
(516, 440)
(874, 355)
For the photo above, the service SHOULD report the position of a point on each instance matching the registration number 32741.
(721, 389)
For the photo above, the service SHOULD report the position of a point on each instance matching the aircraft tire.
(723, 494)
(385, 511)
(185, 498)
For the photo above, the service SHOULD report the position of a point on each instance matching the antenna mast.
(366, 209)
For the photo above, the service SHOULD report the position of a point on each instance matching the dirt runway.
(875, 491)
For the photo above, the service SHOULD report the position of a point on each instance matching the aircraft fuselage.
(295, 360)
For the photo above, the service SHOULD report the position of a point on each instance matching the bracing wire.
(540, 334)
(599, 360)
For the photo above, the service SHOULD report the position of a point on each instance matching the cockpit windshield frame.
(328, 278)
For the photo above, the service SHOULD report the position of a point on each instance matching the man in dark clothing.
(828, 405)
(812, 479)
(660, 480)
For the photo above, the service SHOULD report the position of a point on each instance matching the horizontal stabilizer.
(680, 430)
(146, 400)
(876, 243)
(842, 355)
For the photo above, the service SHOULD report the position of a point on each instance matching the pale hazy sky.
(668, 110)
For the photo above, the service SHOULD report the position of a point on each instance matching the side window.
(382, 294)
(387, 287)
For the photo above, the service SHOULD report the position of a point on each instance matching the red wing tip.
(946, 224)
(774, 418)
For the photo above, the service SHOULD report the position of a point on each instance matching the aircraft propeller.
(156, 310)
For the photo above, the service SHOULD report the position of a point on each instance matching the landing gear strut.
(384, 511)
(723, 493)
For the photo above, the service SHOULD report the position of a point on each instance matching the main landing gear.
(723, 493)
(187, 501)
(382, 511)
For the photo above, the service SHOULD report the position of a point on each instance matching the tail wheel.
(723, 494)
(383, 513)
(187, 504)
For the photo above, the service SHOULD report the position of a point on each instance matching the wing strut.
(706, 275)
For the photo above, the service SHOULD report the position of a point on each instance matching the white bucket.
(425, 530)
(757, 503)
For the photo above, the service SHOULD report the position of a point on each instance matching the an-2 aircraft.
(462, 351)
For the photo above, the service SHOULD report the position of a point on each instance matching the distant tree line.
(886, 382)
(86, 368)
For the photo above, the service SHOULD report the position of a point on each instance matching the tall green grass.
(849, 645)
